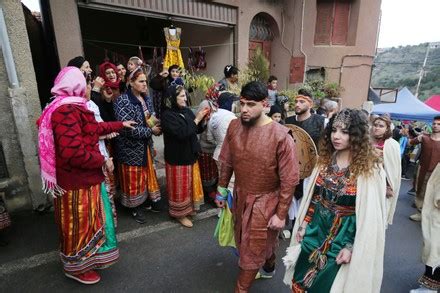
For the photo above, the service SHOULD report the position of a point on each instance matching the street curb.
(52, 256)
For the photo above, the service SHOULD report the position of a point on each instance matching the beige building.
(330, 39)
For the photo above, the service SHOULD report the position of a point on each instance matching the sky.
(404, 22)
(409, 22)
(33, 5)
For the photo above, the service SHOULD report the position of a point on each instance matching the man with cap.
(262, 155)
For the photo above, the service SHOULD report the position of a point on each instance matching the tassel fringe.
(52, 188)
(292, 254)
(310, 277)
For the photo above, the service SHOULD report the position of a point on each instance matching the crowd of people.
(96, 137)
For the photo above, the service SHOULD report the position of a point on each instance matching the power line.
(406, 63)
(152, 47)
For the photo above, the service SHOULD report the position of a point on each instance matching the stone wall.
(20, 109)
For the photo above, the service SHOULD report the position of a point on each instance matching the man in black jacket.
(313, 124)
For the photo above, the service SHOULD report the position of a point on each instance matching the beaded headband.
(343, 119)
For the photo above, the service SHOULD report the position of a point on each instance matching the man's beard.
(301, 111)
(250, 122)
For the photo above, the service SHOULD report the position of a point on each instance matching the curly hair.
(363, 156)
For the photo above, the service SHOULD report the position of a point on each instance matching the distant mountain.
(400, 67)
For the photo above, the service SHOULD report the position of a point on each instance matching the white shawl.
(393, 171)
(431, 221)
(364, 272)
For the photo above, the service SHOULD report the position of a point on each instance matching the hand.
(420, 137)
(156, 130)
(109, 165)
(164, 73)
(107, 93)
(390, 192)
(111, 135)
(275, 223)
(344, 256)
(220, 203)
(129, 124)
(301, 232)
(98, 83)
(201, 115)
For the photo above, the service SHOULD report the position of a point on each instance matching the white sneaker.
(416, 217)
(262, 274)
(286, 234)
(422, 290)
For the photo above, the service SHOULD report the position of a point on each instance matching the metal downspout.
(7, 53)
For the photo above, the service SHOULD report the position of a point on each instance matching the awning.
(192, 11)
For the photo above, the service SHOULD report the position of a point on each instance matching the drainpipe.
(7, 53)
(301, 39)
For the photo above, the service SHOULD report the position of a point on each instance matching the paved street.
(164, 257)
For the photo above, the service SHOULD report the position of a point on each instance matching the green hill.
(400, 67)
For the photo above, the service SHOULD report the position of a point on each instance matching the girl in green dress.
(328, 230)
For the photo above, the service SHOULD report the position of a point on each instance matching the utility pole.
(422, 71)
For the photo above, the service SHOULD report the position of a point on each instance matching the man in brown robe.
(261, 153)
(429, 158)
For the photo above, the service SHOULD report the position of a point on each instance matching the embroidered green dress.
(331, 227)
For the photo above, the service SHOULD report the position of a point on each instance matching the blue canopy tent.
(407, 107)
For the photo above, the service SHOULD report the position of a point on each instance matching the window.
(332, 22)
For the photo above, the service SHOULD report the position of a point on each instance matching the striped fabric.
(80, 218)
(197, 187)
(5, 221)
(208, 169)
(184, 188)
(138, 183)
(110, 185)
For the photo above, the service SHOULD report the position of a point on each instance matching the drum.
(306, 151)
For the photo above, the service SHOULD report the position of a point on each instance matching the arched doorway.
(262, 32)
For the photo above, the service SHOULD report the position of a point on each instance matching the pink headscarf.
(69, 88)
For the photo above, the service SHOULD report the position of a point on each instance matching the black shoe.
(3, 241)
(156, 206)
(139, 215)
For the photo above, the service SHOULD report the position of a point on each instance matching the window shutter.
(297, 67)
(323, 28)
(341, 22)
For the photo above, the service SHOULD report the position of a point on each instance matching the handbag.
(224, 230)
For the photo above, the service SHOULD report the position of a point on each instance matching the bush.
(258, 67)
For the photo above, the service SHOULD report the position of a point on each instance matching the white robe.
(364, 272)
(393, 171)
(431, 221)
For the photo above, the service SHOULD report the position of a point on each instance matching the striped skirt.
(110, 186)
(5, 220)
(80, 217)
(138, 183)
(208, 169)
(184, 188)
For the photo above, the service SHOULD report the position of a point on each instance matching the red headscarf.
(102, 68)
